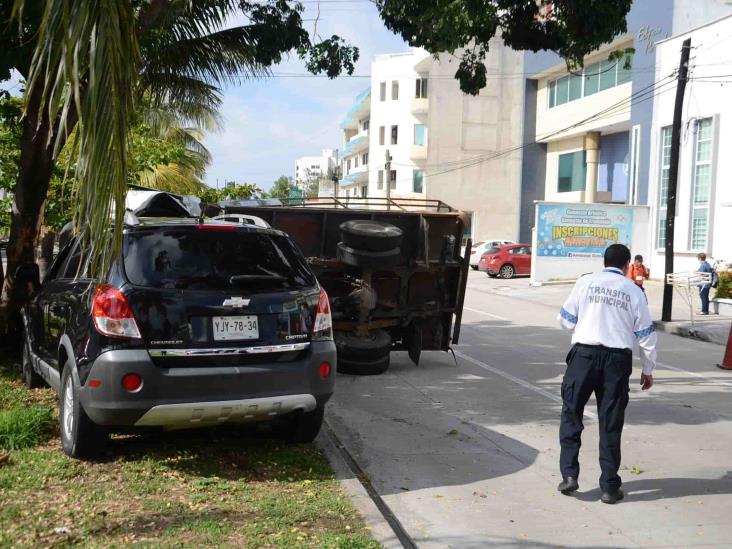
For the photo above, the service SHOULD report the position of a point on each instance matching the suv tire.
(371, 236)
(80, 436)
(305, 426)
(31, 379)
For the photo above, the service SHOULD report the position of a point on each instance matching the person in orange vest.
(638, 272)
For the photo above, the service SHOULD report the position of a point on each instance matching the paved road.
(466, 453)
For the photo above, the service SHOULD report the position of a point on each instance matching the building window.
(395, 90)
(420, 134)
(348, 166)
(365, 158)
(380, 180)
(364, 191)
(392, 179)
(592, 79)
(365, 125)
(421, 88)
(394, 134)
(467, 229)
(382, 91)
(418, 181)
(663, 185)
(634, 164)
(572, 171)
(381, 135)
(355, 161)
(701, 184)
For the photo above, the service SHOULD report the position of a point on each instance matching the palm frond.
(175, 177)
(92, 46)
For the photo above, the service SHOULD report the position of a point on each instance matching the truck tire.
(354, 348)
(366, 259)
(371, 236)
(365, 367)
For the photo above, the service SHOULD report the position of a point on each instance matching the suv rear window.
(214, 260)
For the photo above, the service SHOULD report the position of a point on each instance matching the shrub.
(24, 427)
(724, 290)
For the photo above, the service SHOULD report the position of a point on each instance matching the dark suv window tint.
(70, 266)
(214, 260)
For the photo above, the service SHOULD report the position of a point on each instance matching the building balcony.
(358, 175)
(357, 143)
(360, 109)
(418, 152)
(420, 105)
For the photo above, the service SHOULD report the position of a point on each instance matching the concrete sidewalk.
(713, 330)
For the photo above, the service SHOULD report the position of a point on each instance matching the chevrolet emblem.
(236, 302)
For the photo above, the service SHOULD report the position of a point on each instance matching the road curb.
(379, 528)
(684, 331)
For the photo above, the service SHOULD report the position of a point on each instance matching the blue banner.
(581, 230)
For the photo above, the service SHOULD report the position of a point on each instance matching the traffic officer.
(608, 315)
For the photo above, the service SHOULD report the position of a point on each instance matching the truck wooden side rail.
(408, 298)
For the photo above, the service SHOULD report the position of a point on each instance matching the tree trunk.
(46, 256)
(35, 170)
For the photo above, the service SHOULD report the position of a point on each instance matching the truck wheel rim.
(68, 419)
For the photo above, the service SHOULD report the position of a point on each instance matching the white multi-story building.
(354, 159)
(310, 169)
(704, 193)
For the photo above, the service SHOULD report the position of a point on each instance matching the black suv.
(197, 324)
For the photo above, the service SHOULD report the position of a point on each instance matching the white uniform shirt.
(607, 308)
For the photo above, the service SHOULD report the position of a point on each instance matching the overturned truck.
(392, 269)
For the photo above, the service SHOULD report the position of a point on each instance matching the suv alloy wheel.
(80, 437)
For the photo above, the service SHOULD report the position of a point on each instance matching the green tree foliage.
(724, 290)
(231, 191)
(11, 110)
(281, 187)
(571, 28)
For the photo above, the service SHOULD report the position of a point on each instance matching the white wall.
(703, 99)
(465, 128)
(310, 167)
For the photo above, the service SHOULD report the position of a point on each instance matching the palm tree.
(94, 60)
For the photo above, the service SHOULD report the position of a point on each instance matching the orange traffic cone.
(727, 362)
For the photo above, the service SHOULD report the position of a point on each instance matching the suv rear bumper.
(200, 396)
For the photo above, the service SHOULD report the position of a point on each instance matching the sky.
(269, 123)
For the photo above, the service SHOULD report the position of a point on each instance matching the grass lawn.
(224, 487)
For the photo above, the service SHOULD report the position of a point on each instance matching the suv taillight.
(112, 313)
(323, 326)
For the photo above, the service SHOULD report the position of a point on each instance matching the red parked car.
(507, 261)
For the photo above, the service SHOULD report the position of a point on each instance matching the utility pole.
(387, 171)
(673, 178)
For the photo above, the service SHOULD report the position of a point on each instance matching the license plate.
(227, 328)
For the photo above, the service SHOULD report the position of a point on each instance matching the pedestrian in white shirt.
(608, 314)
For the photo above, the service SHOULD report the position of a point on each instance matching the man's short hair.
(639, 258)
(702, 256)
(617, 255)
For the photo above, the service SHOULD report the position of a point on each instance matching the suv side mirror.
(28, 273)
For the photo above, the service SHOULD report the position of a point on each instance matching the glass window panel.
(382, 91)
(562, 90)
(380, 180)
(705, 128)
(608, 76)
(625, 75)
(575, 87)
(420, 134)
(592, 79)
(395, 90)
(417, 181)
(661, 240)
(392, 179)
(552, 94)
(703, 151)
(572, 170)
(699, 226)
(702, 184)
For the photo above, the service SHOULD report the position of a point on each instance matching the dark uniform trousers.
(606, 372)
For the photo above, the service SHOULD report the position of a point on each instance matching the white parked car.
(479, 248)
(244, 220)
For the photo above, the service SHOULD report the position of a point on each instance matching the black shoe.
(612, 498)
(568, 485)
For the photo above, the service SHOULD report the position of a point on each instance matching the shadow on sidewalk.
(653, 489)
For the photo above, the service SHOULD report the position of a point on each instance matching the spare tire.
(354, 348)
(371, 236)
(364, 368)
(366, 259)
